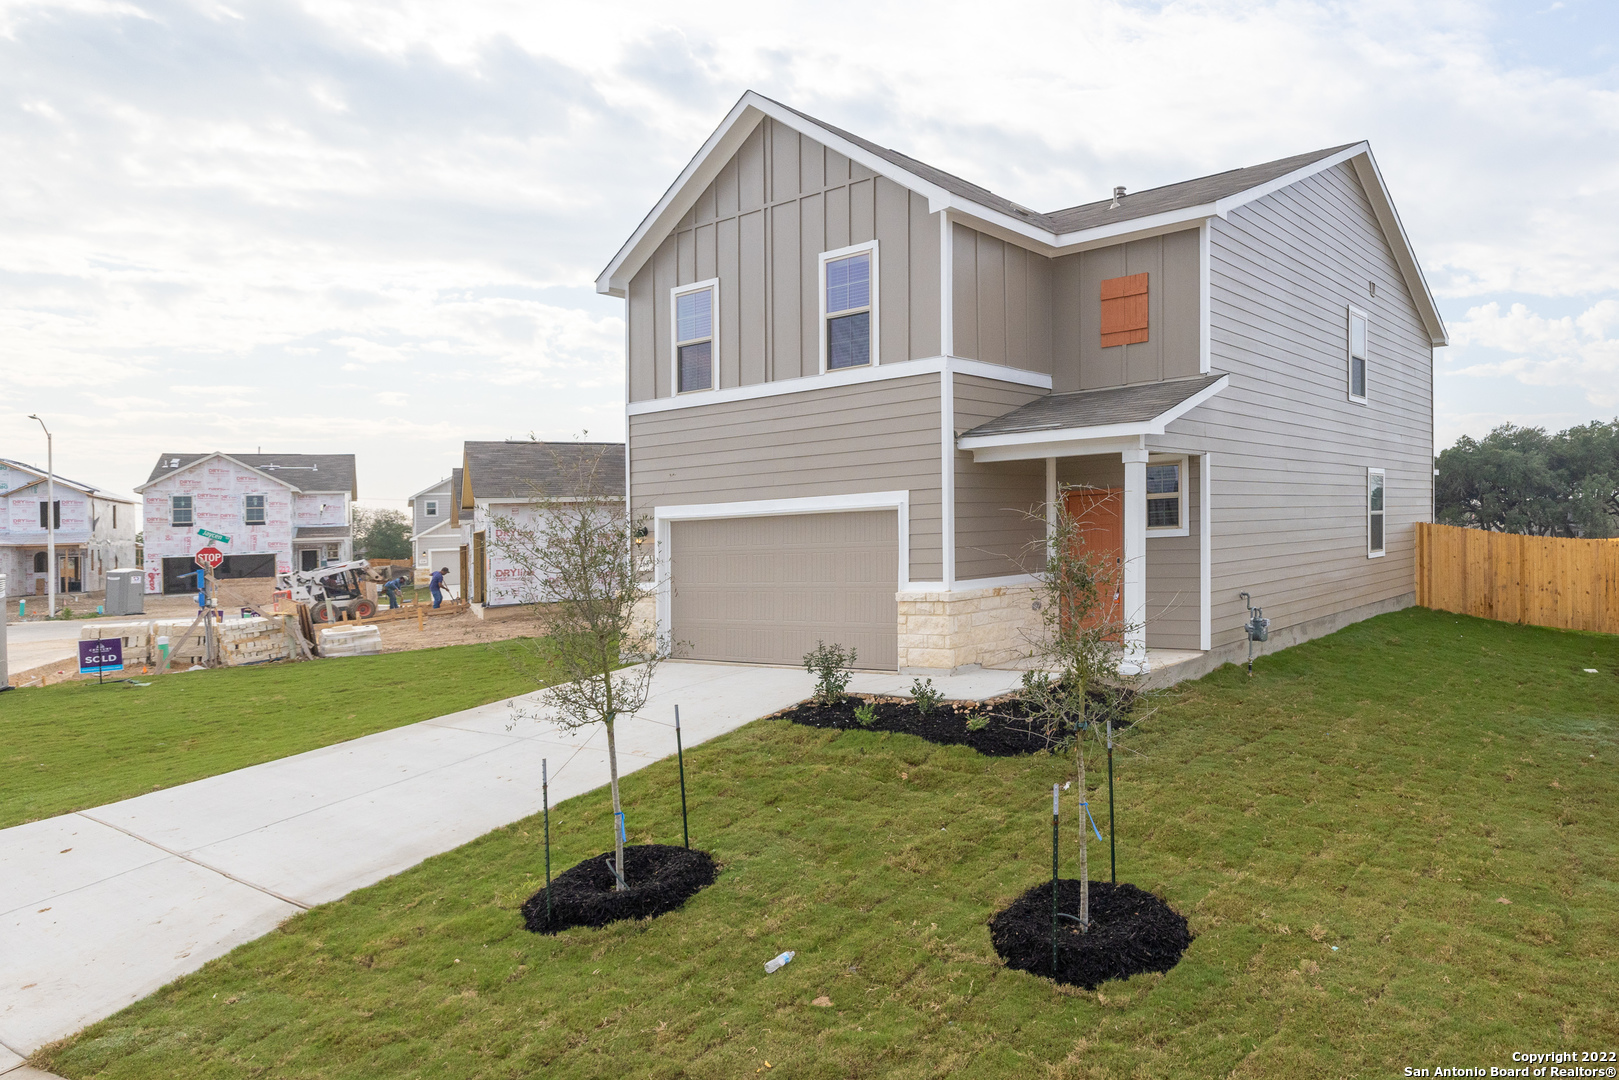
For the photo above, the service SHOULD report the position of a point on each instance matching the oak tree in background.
(1522, 480)
(578, 568)
(381, 534)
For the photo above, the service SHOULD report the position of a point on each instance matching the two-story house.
(95, 531)
(281, 511)
(438, 538)
(856, 384)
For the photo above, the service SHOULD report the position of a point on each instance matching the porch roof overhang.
(1089, 421)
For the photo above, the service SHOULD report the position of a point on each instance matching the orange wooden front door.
(1098, 515)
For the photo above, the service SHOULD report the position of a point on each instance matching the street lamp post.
(50, 519)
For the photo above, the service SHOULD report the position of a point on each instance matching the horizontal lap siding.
(760, 228)
(1290, 451)
(994, 534)
(880, 436)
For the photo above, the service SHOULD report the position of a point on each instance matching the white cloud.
(1572, 351)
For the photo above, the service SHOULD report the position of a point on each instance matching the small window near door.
(180, 511)
(695, 336)
(431, 508)
(849, 294)
(252, 509)
(1374, 513)
(39, 562)
(1357, 356)
(1166, 496)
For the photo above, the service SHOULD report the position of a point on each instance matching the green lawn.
(1340, 832)
(75, 745)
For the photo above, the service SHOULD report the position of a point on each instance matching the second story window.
(48, 520)
(252, 509)
(431, 509)
(850, 298)
(1357, 355)
(180, 511)
(695, 337)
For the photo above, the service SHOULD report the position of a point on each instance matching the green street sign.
(213, 536)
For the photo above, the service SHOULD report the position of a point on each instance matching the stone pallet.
(242, 641)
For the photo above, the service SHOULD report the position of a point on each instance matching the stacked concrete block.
(241, 641)
(350, 641)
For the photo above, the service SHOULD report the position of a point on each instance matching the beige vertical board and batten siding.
(1001, 301)
(1171, 349)
(760, 228)
(999, 520)
(1291, 451)
(880, 436)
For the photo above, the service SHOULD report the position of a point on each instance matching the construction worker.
(391, 587)
(435, 585)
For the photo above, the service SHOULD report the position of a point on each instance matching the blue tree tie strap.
(623, 839)
(1094, 829)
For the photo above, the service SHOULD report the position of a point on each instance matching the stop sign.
(210, 557)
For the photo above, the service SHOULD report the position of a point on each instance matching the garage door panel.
(767, 589)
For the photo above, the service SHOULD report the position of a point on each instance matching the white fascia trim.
(1060, 449)
(1371, 179)
(903, 369)
(1224, 206)
(871, 307)
(443, 485)
(665, 516)
(430, 531)
(1205, 302)
(675, 293)
(1062, 436)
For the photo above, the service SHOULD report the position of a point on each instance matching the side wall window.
(431, 509)
(1357, 355)
(180, 510)
(1166, 496)
(849, 304)
(39, 562)
(695, 336)
(252, 509)
(1374, 513)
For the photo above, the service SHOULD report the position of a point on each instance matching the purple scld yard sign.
(98, 657)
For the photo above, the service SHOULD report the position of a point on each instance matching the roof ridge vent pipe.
(1118, 193)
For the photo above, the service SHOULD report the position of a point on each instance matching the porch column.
(1135, 559)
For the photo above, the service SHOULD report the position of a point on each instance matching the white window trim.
(265, 510)
(1351, 313)
(1184, 528)
(430, 508)
(675, 293)
(1379, 553)
(191, 511)
(843, 253)
(664, 516)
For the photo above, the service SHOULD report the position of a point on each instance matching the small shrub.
(927, 698)
(865, 715)
(830, 665)
(977, 722)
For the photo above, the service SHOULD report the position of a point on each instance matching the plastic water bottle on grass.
(779, 962)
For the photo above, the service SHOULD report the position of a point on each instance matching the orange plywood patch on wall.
(1124, 310)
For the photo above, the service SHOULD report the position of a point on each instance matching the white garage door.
(766, 589)
(439, 558)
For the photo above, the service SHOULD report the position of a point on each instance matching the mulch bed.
(662, 877)
(1008, 733)
(1131, 931)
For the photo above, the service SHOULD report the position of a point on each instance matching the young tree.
(1079, 684)
(577, 562)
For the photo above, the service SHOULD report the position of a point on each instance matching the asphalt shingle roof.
(321, 532)
(330, 472)
(1096, 408)
(1137, 204)
(525, 469)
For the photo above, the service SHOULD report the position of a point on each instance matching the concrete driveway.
(32, 644)
(102, 907)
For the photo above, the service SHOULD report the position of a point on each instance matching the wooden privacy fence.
(1540, 580)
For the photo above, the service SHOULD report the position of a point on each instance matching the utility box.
(126, 592)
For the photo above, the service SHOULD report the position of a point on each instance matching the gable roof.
(446, 484)
(298, 472)
(1057, 232)
(41, 477)
(526, 469)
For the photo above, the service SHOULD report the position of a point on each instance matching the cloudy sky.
(374, 227)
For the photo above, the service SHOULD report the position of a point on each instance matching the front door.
(71, 581)
(1098, 515)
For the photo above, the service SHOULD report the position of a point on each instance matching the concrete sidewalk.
(102, 907)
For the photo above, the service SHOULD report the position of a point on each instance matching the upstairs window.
(1357, 356)
(1124, 310)
(252, 509)
(180, 511)
(115, 515)
(48, 520)
(1374, 513)
(1166, 496)
(431, 509)
(849, 298)
(695, 338)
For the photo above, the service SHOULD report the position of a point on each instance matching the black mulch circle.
(661, 878)
(1131, 931)
(1008, 733)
